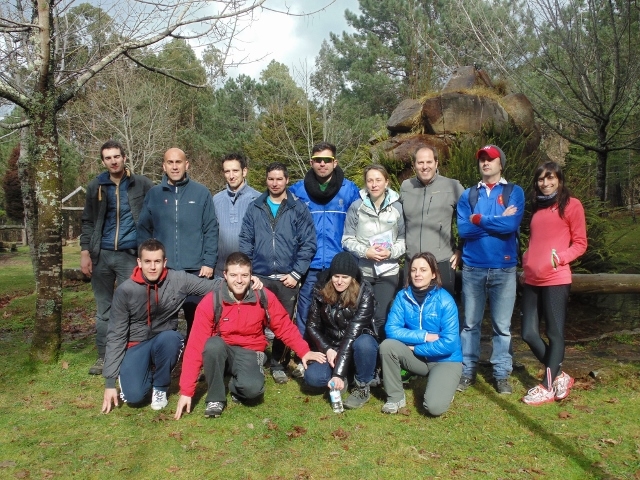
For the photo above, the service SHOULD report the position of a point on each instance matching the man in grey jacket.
(143, 328)
(108, 240)
(429, 202)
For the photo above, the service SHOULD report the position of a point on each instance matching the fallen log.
(605, 283)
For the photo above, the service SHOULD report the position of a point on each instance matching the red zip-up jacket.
(241, 324)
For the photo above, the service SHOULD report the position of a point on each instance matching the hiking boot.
(465, 382)
(503, 386)
(562, 385)
(359, 396)
(279, 376)
(539, 395)
(298, 371)
(96, 368)
(393, 407)
(214, 409)
(158, 400)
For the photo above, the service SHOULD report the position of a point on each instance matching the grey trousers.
(443, 377)
(244, 366)
(112, 267)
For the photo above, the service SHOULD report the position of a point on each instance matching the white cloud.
(291, 40)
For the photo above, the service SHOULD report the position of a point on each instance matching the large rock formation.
(468, 103)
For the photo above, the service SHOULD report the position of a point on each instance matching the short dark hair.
(277, 166)
(235, 156)
(433, 265)
(318, 147)
(237, 258)
(152, 245)
(426, 147)
(112, 144)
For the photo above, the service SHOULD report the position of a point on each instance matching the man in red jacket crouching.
(235, 342)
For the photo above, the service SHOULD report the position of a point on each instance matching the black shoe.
(359, 396)
(503, 386)
(465, 382)
(96, 368)
(214, 409)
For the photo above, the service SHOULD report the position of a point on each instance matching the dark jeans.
(304, 299)
(136, 377)
(245, 367)
(365, 356)
(550, 302)
(287, 297)
(384, 290)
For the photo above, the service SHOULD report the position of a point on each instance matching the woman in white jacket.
(374, 233)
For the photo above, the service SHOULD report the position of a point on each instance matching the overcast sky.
(288, 39)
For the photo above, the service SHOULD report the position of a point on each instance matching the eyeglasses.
(323, 159)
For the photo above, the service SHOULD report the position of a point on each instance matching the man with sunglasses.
(328, 194)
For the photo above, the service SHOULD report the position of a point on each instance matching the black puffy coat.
(337, 327)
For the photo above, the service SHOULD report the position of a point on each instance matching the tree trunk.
(44, 160)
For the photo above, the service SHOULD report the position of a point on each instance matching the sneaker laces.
(158, 395)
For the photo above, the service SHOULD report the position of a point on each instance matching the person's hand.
(110, 395)
(431, 337)
(377, 253)
(183, 402)
(521, 278)
(338, 383)
(310, 356)
(206, 272)
(455, 259)
(86, 265)
(331, 357)
(289, 281)
(510, 210)
(256, 283)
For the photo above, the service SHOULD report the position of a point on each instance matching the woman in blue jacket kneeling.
(423, 337)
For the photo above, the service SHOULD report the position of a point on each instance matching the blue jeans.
(499, 284)
(365, 356)
(136, 377)
(304, 299)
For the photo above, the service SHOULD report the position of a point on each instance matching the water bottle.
(336, 399)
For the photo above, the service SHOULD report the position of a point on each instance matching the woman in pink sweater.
(558, 237)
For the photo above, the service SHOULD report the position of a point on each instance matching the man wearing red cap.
(489, 215)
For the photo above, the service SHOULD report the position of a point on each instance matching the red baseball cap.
(490, 150)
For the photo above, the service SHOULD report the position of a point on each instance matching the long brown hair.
(433, 265)
(347, 299)
(563, 193)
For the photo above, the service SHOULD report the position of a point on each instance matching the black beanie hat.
(344, 264)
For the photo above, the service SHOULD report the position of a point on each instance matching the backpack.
(217, 307)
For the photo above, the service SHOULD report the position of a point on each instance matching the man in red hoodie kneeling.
(235, 342)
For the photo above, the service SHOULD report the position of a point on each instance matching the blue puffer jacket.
(409, 323)
(328, 219)
(282, 245)
(182, 217)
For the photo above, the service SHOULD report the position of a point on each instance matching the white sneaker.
(158, 400)
(393, 407)
(562, 385)
(539, 395)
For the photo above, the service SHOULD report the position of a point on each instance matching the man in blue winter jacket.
(328, 196)
(279, 237)
(179, 213)
(108, 240)
(489, 215)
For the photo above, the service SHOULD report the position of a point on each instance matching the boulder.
(519, 108)
(403, 118)
(465, 78)
(407, 146)
(461, 113)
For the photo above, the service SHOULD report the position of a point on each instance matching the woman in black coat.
(340, 325)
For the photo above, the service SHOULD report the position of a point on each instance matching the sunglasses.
(323, 159)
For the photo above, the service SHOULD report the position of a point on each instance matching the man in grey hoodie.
(429, 203)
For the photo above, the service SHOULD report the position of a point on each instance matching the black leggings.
(550, 302)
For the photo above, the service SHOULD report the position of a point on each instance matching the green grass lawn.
(52, 426)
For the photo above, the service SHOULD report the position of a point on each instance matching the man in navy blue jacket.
(279, 237)
(179, 213)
